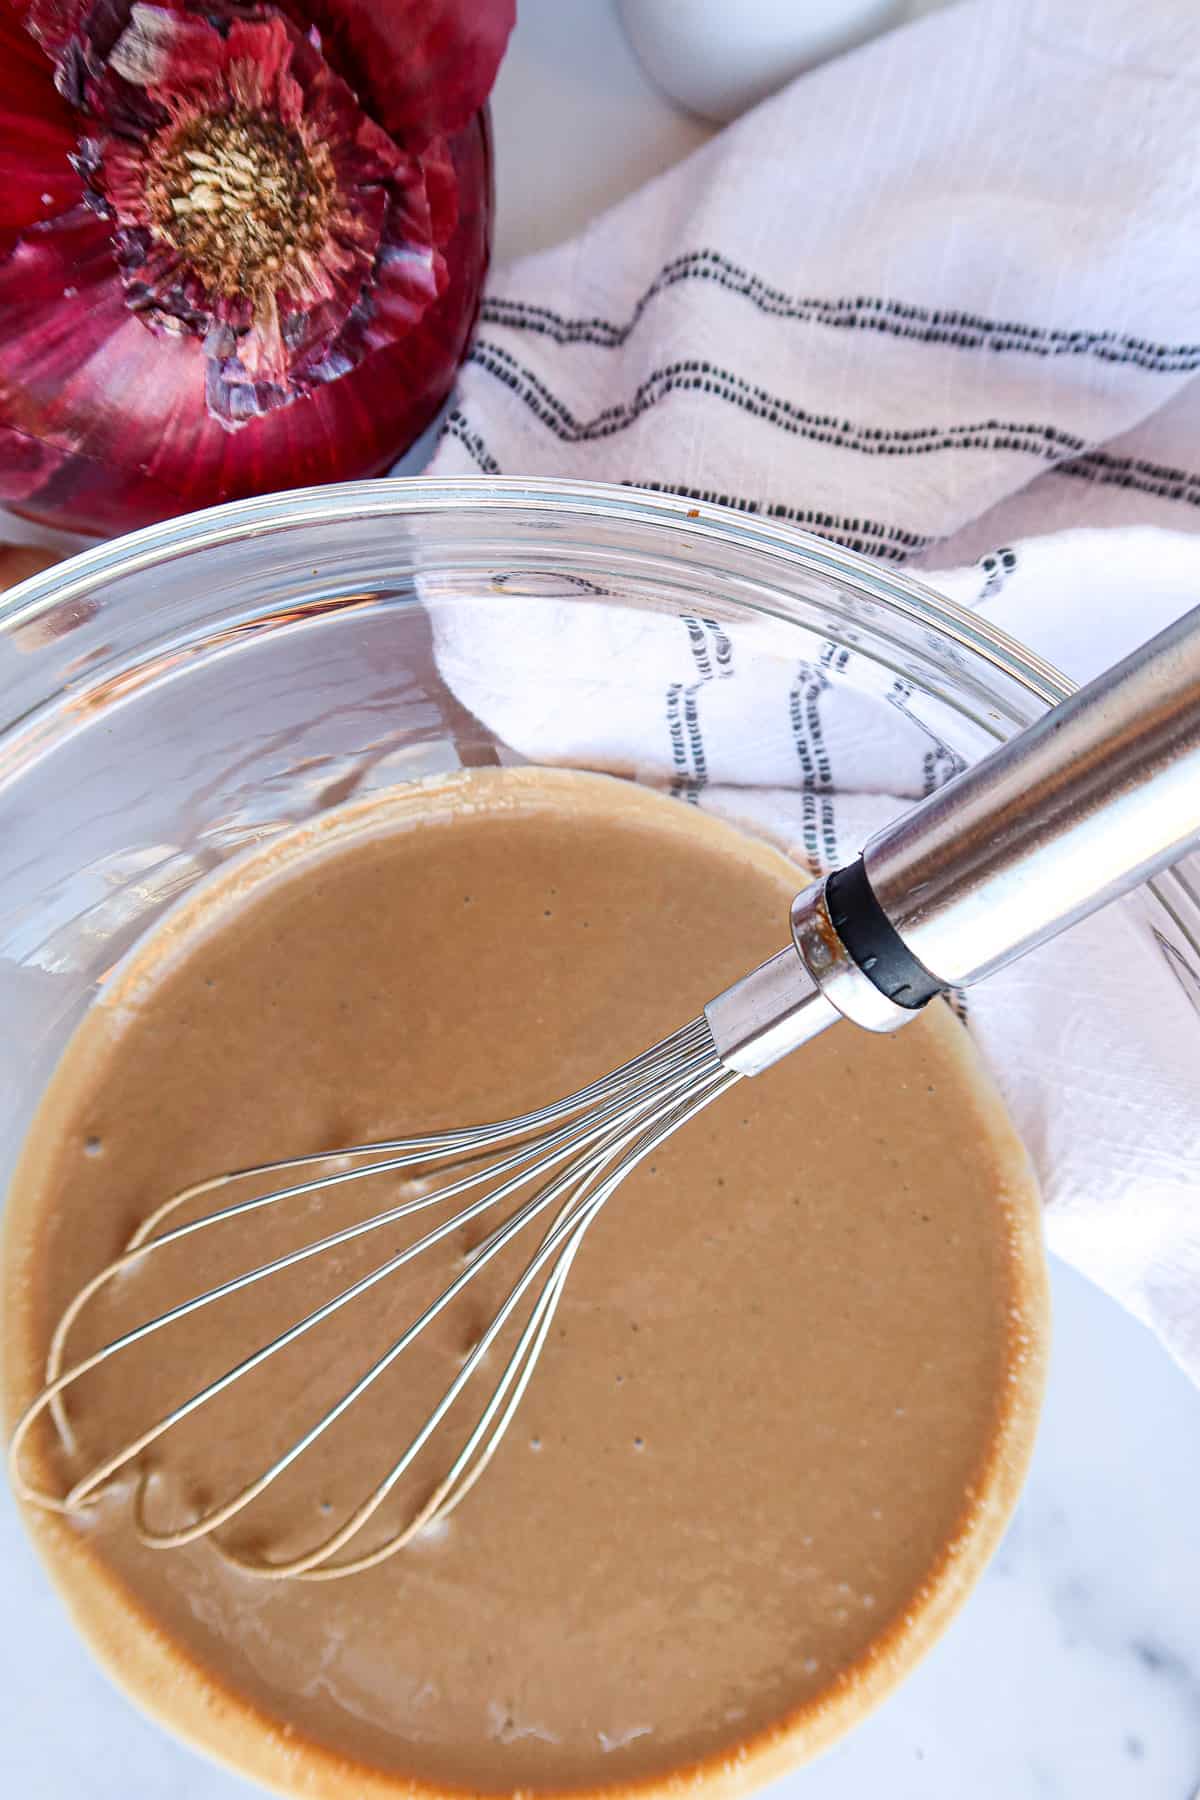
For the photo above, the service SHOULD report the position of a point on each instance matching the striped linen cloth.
(937, 300)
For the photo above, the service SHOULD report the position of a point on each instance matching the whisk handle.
(1095, 797)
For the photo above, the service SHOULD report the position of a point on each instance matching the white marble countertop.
(1073, 1673)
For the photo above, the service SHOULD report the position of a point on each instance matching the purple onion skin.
(107, 419)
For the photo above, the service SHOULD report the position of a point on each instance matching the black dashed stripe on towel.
(457, 427)
(940, 762)
(687, 741)
(818, 826)
(698, 643)
(712, 653)
(695, 740)
(1046, 442)
(722, 648)
(962, 330)
(711, 646)
(997, 567)
(892, 543)
(1135, 473)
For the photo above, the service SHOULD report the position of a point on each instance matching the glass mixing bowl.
(170, 699)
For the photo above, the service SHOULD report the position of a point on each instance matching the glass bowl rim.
(88, 570)
(700, 523)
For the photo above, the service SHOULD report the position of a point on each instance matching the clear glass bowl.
(170, 698)
(174, 697)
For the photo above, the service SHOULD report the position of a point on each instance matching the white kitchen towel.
(935, 298)
(940, 293)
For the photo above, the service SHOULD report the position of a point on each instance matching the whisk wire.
(581, 1173)
(540, 1155)
(600, 1133)
(564, 1237)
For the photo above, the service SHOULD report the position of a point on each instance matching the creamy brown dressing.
(785, 1401)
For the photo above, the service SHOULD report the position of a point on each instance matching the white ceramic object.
(719, 57)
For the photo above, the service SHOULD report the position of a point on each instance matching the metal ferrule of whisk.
(1099, 795)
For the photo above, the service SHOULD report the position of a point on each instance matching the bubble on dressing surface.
(505, 1728)
(617, 1740)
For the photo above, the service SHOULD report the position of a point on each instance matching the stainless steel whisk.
(1100, 794)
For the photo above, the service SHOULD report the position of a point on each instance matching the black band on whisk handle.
(1097, 796)
(873, 941)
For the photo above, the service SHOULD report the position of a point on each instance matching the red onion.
(241, 245)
